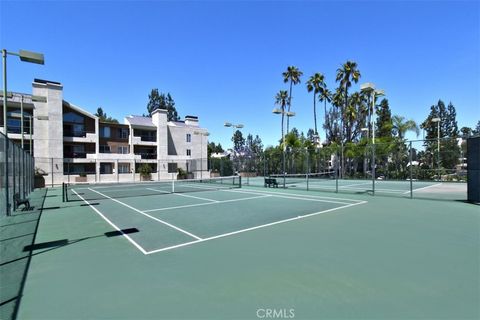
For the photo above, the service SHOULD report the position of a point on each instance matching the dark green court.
(226, 254)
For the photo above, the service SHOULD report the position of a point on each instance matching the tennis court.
(218, 250)
(182, 213)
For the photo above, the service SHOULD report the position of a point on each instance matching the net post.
(239, 181)
(411, 174)
(63, 191)
(336, 171)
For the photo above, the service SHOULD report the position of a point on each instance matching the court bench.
(269, 182)
(19, 201)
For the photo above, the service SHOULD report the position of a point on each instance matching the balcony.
(144, 140)
(147, 155)
(75, 155)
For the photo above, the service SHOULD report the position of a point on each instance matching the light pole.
(369, 88)
(201, 134)
(288, 114)
(233, 126)
(437, 120)
(26, 56)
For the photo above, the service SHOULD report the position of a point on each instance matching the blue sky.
(223, 60)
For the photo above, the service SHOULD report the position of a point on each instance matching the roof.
(140, 121)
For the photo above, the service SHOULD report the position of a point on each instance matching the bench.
(19, 201)
(269, 182)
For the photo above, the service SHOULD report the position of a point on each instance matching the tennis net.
(303, 178)
(98, 191)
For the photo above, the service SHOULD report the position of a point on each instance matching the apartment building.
(70, 144)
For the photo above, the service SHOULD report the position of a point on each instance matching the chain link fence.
(55, 171)
(17, 175)
(431, 169)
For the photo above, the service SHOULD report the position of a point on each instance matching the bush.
(145, 170)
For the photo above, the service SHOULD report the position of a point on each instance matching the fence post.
(411, 175)
(373, 169)
(13, 175)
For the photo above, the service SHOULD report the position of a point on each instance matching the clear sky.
(223, 60)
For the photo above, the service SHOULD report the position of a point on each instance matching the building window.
(106, 168)
(189, 152)
(104, 149)
(123, 168)
(73, 118)
(105, 132)
(123, 149)
(189, 137)
(172, 168)
(123, 133)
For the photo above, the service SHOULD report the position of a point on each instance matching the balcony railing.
(75, 133)
(74, 154)
(148, 138)
(146, 155)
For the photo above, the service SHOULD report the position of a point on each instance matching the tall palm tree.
(313, 84)
(400, 126)
(346, 74)
(325, 96)
(293, 75)
(282, 99)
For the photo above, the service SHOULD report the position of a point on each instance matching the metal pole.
(411, 175)
(21, 117)
(52, 171)
(373, 169)
(30, 130)
(201, 156)
(373, 117)
(438, 149)
(5, 130)
(13, 175)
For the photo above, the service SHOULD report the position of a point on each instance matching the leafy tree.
(477, 129)
(325, 96)
(292, 75)
(238, 142)
(449, 149)
(158, 100)
(466, 132)
(384, 121)
(103, 116)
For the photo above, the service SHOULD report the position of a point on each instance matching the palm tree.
(346, 74)
(282, 99)
(400, 126)
(325, 96)
(313, 84)
(293, 75)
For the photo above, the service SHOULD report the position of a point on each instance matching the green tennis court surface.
(231, 252)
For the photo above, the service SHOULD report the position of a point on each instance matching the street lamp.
(26, 56)
(201, 134)
(288, 114)
(437, 120)
(369, 88)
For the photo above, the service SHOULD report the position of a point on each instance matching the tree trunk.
(289, 106)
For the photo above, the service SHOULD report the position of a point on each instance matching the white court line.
(433, 185)
(254, 228)
(185, 195)
(355, 184)
(112, 224)
(149, 216)
(291, 194)
(206, 204)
